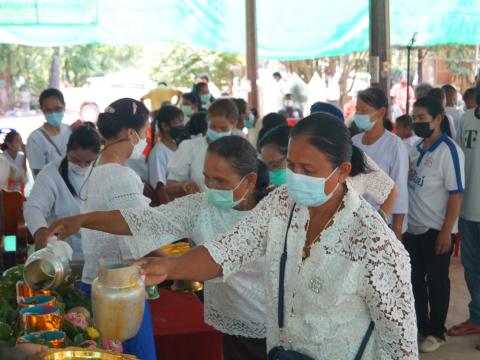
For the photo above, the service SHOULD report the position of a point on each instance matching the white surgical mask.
(138, 148)
(289, 103)
(77, 169)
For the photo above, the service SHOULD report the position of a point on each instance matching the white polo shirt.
(434, 175)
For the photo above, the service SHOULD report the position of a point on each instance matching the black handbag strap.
(281, 294)
(281, 277)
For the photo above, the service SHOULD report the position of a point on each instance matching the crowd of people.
(324, 238)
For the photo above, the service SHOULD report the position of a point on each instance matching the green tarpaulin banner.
(288, 30)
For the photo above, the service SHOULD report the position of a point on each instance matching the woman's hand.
(65, 227)
(41, 238)
(191, 187)
(443, 243)
(154, 269)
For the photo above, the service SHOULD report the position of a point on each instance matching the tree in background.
(179, 65)
(36, 68)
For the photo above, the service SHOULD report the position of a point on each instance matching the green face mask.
(223, 199)
(278, 177)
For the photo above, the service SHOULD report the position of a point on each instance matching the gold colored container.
(182, 285)
(32, 301)
(53, 339)
(79, 353)
(41, 318)
(118, 301)
(23, 290)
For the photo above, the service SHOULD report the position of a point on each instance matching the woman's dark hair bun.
(125, 113)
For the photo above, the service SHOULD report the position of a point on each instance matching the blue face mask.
(308, 190)
(214, 135)
(278, 177)
(249, 122)
(363, 122)
(205, 98)
(54, 119)
(223, 199)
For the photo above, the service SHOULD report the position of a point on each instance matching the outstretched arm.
(106, 221)
(197, 264)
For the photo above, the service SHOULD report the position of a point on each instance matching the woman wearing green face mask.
(49, 142)
(236, 181)
(369, 180)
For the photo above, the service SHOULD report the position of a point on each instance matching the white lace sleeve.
(153, 228)
(246, 241)
(376, 184)
(387, 291)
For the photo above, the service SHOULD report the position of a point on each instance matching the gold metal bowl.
(79, 353)
(176, 249)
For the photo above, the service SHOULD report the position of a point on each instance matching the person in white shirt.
(469, 222)
(451, 109)
(404, 127)
(9, 172)
(245, 118)
(112, 185)
(435, 190)
(332, 246)
(439, 94)
(57, 189)
(169, 122)
(373, 182)
(49, 142)
(386, 149)
(189, 105)
(13, 150)
(185, 167)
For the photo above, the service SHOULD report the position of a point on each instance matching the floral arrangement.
(77, 322)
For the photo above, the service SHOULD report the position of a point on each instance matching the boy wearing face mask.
(13, 150)
(185, 167)
(48, 142)
(290, 111)
(57, 189)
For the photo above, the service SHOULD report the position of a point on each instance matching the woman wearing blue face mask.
(367, 179)
(56, 192)
(385, 148)
(48, 142)
(322, 244)
(185, 168)
(235, 182)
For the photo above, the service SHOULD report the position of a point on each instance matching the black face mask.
(179, 133)
(422, 129)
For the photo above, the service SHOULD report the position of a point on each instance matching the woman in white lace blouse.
(344, 267)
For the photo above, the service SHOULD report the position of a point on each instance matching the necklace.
(307, 247)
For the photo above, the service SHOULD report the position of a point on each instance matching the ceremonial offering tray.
(31, 301)
(182, 285)
(54, 339)
(82, 354)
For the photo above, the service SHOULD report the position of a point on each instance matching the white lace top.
(236, 307)
(109, 187)
(356, 273)
(375, 184)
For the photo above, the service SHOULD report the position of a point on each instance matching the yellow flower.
(93, 333)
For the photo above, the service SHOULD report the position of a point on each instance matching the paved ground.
(457, 348)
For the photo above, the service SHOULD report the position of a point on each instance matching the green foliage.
(30, 66)
(67, 297)
(181, 64)
(83, 61)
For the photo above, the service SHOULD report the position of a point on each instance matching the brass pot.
(53, 339)
(32, 301)
(118, 301)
